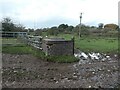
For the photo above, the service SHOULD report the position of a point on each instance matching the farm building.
(58, 46)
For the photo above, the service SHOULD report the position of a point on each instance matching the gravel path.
(27, 71)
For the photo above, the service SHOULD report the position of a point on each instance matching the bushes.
(111, 26)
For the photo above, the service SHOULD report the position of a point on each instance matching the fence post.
(73, 43)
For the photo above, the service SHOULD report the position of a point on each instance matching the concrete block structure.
(58, 46)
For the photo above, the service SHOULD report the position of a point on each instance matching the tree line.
(8, 25)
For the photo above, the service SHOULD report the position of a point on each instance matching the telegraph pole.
(80, 25)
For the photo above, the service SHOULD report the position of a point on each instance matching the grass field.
(86, 44)
(97, 45)
(14, 46)
(11, 41)
(94, 44)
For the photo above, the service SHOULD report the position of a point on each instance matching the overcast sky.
(48, 13)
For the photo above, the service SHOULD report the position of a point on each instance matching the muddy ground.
(27, 71)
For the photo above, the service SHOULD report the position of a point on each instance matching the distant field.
(13, 45)
(96, 44)
(10, 41)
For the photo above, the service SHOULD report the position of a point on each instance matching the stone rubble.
(97, 74)
(91, 57)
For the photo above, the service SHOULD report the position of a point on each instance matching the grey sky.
(48, 13)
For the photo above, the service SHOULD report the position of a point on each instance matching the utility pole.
(80, 26)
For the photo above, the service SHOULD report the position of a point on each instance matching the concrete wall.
(63, 47)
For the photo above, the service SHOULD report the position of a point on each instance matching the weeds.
(94, 44)
(62, 59)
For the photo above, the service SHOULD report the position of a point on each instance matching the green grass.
(94, 44)
(13, 41)
(22, 48)
(14, 46)
(97, 45)
(17, 49)
(37, 53)
(62, 59)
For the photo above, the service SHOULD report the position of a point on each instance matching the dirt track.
(27, 71)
